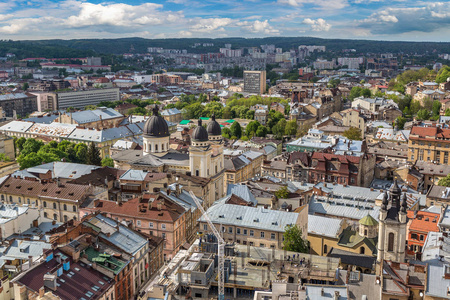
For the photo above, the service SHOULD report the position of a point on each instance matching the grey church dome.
(200, 134)
(156, 126)
(213, 127)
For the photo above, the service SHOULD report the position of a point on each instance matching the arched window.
(391, 241)
(55, 217)
(65, 206)
(156, 147)
(54, 205)
(197, 173)
(45, 204)
(325, 249)
(365, 232)
(45, 215)
(362, 250)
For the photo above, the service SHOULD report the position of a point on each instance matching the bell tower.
(392, 225)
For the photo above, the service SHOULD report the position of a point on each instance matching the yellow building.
(429, 144)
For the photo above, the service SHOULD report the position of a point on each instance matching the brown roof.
(97, 177)
(429, 133)
(146, 208)
(32, 188)
(73, 287)
(341, 158)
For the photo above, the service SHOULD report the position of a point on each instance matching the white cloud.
(211, 24)
(258, 27)
(323, 4)
(317, 25)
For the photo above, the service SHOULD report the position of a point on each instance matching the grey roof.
(17, 126)
(100, 135)
(184, 198)
(124, 238)
(10, 212)
(137, 175)
(170, 112)
(315, 292)
(445, 219)
(14, 96)
(319, 225)
(250, 217)
(23, 249)
(47, 119)
(252, 155)
(102, 113)
(437, 284)
(59, 170)
(343, 208)
(241, 191)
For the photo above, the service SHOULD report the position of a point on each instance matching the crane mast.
(220, 248)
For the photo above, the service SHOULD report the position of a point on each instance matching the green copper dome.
(368, 221)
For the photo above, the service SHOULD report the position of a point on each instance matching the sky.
(405, 20)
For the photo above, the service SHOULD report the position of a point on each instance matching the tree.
(261, 131)
(3, 157)
(90, 107)
(226, 133)
(436, 108)
(19, 143)
(443, 74)
(25, 86)
(423, 114)
(93, 155)
(31, 145)
(81, 153)
(355, 92)
(282, 192)
(400, 122)
(415, 107)
(108, 162)
(236, 130)
(353, 133)
(29, 160)
(293, 240)
(279, 129)
(252, 127)
(445, 181)
(447, 112)
(291, 128)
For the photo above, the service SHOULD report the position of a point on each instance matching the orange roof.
(424, 221)
(429, 133)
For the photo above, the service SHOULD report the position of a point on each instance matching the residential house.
(420, 223)
(429, 144)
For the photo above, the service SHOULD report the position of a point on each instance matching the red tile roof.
(429, 133)
(423, 221)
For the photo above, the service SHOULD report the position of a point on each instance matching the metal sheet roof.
(319, 225)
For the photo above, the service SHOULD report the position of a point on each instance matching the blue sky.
(355, 19)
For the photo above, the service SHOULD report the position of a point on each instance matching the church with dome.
(204, 157)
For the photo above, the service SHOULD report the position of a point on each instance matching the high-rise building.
(255, 82)
(82, 98)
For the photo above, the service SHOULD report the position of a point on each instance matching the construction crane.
(220, 249)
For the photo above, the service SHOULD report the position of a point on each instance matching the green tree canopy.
(293, 240)
(353, 133)
(445, 181)
(93, 155)
(252, 127)
(400, 122)
(282, 192)
(108, 162)
(423, 114)
(226, 132)
(291, 128)
(236, 130)
(443, 74)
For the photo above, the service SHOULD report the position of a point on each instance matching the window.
(55, 217)
(163, 235)
(272, 236)
(74, 208)
(150, 224)
(138, 223)
(262, 234)
(149, 147)
(44, 204)
(156, 148)
(3, 197)
(365, 232)
(162, 147)
(414, 236)
(421, 237)
(65, 218)
(163, 226)
(262, 245)
(325, 249)
(230, 229)
(362, 250)
(245, 231)
(54, 205)
(205, 227)
(252, 233)
(197, 173)
(65, 206)
(28, 201)
(45, 215)
(391, 241)
(20, 200)
(238, 231)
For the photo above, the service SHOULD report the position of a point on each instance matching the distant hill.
(85, 47)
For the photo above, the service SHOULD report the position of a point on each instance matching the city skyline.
(354, 19)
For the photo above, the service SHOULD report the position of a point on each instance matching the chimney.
(159, 206)
(41, 292)
(336, 295)
(30, 261)
(322, 292)
(58, 182)
(50, 281)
